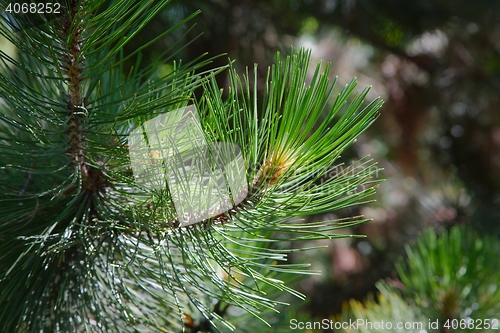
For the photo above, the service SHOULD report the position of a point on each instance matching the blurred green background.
(436, 63)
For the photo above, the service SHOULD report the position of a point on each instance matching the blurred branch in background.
(449, 280)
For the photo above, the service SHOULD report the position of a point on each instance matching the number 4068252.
(33, 8)
(472, 324)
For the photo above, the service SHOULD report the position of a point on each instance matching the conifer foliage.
(84, 247)
(448, 283)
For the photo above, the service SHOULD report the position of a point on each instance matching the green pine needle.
(83, 247)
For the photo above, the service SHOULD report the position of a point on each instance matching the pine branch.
(84, 246)
(60, 100)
